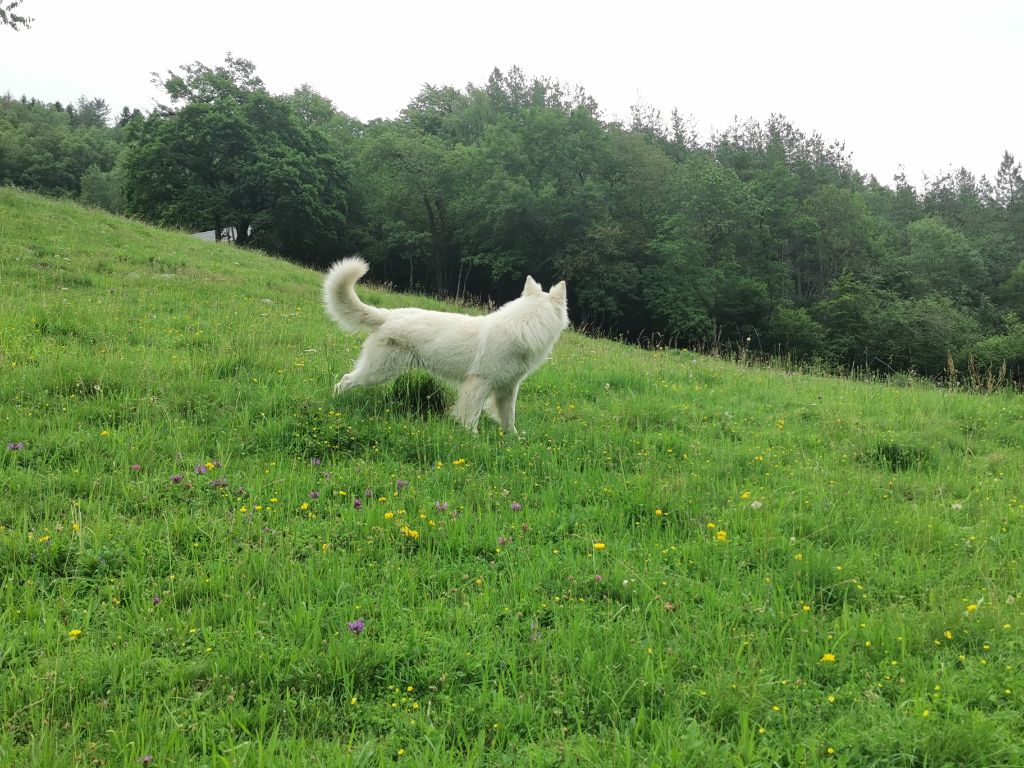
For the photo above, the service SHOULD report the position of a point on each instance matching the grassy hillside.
(682, 561)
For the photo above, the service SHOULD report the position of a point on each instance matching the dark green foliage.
(8, 17)
(762, 237)
(236, 156)
(103, 189)
(793, 331)
(1004, 348)
(46, 148)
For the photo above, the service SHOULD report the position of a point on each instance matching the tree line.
(760, 237)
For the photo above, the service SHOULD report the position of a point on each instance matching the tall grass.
(681, 561)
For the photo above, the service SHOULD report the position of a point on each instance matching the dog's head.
(533, 288)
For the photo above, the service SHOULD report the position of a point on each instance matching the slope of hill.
(208, 559)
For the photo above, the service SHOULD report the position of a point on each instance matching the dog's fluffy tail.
(341, 301)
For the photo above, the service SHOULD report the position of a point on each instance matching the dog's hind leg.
(504, 407)
(379, 360)
(470, 403)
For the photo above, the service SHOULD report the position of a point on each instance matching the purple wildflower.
(356, 627)
(146, 760)
(314, 494)
(503, 540)
(440, 506)
(316, 461)
(201, 469)
(157, 599)
(401, 484)
(357, 504)
(15, 446)
(220, 482)
(136, 467)
(598, 578)
(516, 506)
(176, 479)
(327, 475)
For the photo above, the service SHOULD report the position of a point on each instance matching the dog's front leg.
(344, 384)
(505, 407)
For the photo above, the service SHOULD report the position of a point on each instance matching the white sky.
(928, 85)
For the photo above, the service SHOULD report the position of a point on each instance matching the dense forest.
(761, 237)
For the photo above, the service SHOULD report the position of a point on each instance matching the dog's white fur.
(486, 357)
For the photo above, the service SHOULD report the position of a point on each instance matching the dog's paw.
(341, 386)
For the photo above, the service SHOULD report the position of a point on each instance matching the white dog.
(485, 357)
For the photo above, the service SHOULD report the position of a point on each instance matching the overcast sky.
(926, 85)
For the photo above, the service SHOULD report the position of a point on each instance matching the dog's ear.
(531, 287)
(558, 291)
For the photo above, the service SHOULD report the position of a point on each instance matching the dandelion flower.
(721, 536)
(828, 658)
(599, 545)
(74, 633)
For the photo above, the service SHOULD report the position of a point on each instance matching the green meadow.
(206, 559)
